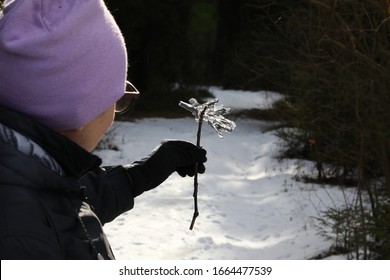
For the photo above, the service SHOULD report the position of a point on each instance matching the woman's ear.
(81, 128)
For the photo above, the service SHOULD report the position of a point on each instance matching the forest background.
(329, 58)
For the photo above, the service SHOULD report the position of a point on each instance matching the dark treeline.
(175, 45)
(175, 41)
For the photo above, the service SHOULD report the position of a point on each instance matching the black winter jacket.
(54, 196)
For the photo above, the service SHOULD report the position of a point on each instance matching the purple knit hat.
(62, 62)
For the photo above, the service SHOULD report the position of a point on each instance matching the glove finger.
(200, 155)
(182, 171)
(190, 170)
(181, 153)
(186, 171)
(201, 168)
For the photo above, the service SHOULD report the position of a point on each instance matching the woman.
(63, 68)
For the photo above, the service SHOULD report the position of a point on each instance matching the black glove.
(168, 157)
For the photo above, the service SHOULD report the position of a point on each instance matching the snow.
(240, 99)
(250, 206)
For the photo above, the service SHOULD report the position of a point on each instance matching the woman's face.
(89, 135)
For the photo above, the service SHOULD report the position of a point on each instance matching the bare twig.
(217, 121)
(195, 195)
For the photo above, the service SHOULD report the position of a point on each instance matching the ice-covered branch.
(214, 115)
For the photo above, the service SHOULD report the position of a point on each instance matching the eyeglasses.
(127, 101)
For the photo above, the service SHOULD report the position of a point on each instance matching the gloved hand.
(168, 157)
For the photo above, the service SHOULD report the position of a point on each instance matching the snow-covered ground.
(250, 206)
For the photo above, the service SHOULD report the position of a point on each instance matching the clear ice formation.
(214, 115)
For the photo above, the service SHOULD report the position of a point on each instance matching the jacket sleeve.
(108, 191)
